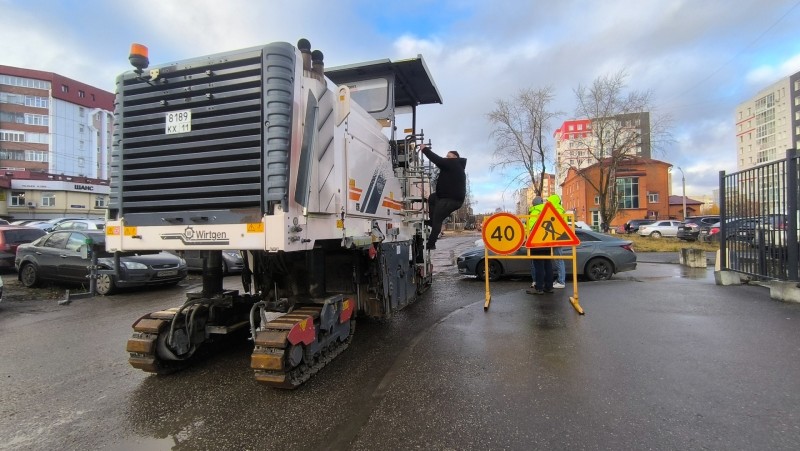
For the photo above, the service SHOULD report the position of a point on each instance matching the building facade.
(643, 185)
(524, 196)
(767, 125)
(53, 124)
(42, 196)
(55, 145)
(578, 147)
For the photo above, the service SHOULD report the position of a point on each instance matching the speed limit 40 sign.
(503, 233)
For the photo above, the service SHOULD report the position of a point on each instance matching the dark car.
(62, 256)
(599, 257)
(231, 260)
(689, 229)
(632, 225)
(10, 238)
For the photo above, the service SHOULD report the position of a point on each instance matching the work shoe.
(558, 285)
(548, 291)
(534, 291)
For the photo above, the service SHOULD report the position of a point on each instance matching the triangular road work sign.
(551, 230)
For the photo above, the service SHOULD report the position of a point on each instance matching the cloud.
(700, 59)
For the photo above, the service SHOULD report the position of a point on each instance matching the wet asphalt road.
(663, 359)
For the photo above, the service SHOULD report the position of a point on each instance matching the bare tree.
(519, 130)
(465, 213)
(620, 128)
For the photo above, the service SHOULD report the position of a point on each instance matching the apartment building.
(768, 123)
(524, 196)
(55, 145)
(578, 146)
(51, 123)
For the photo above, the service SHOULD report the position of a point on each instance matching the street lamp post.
(683, 182)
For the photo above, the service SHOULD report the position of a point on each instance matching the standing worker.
(561, 277)
(541, 269)
(451, 187)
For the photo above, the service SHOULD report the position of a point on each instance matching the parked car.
(10, 238)
(231, 260)
(49, 224)
(659, 228)
(4, 222)
(689, 228)
(41, 225)
(80, 224)
(709, 233)
(61, 256)
(599, 256)
(633, 225)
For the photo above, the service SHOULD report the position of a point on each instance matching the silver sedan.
(599, 257)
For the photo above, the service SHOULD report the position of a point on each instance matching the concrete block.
(784, 291)
(727, 278)
(693, 258)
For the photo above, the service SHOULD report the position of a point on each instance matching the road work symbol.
(551, 230)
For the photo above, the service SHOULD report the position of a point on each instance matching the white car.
(663, 227)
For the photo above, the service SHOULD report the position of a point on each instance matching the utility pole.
(683, 181)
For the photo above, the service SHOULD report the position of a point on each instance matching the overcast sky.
(700, 58)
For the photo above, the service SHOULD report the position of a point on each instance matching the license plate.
(171, 272)
(178, 122)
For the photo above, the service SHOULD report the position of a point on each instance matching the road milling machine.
(301, 170)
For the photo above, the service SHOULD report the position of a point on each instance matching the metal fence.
(759, 217)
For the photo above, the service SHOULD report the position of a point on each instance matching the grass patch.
(663, 244)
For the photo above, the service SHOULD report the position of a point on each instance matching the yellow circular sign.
(503, 233)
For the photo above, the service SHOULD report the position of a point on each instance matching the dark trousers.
(543, 270)
(440, 209)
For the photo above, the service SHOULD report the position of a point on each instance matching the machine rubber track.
(143, 344)
(279, 363)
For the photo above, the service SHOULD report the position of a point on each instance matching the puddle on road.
(653, 272)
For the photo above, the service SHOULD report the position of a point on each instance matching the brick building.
(644, 186)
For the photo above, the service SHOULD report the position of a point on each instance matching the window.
(37, 119)
(100, 202)
(37, 102)
(596, 218)
(372, 94)
(81, 94)
(10, 116)
(652, 198)
(37, 155)
(17, 198)
(48, 200)
(597, 200)
(82, 112)
(12, 155)
(628, 192)
(76, 240)
(11, 136)
(24, 82)
(64, 88)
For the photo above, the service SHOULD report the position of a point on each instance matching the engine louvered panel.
(221, 161)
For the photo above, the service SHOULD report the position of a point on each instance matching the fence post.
(791, 213)
(723, 216)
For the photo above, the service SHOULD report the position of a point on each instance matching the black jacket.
(452, 181)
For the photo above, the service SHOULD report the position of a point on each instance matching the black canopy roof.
(413, 83)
